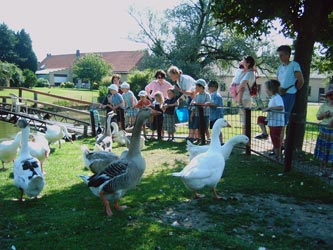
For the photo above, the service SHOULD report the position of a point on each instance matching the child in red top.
(143, 102)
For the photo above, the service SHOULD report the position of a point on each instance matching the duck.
(123, 174)
(96, 161)
(28, 175)
(124, 138)
(226, 148)
(39, 147)
(56, 132)
(8, 150)
(105, 140)
(205, 169)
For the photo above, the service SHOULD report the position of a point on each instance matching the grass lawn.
(68, 216)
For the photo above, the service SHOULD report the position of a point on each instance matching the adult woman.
(185, 85)
(116, 79)
(248, 79)
(159, 84)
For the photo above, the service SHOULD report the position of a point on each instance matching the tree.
(30, 79)
(139, 79)
(188, 37)
(26, 58)
(91, 67)
(7, 44)
(306, 22)
(10, 75)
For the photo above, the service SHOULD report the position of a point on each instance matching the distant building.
(57, 68)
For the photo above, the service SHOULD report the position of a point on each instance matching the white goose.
(8, 150)
(97, 161)
(56, 132)
(105, 140)
(123, 174)
(39, 147)
(122, 137)
(226, 149)
(28, 176)
(205, 170)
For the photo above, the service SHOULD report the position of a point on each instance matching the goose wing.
(111, 177)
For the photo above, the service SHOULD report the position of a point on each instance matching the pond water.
(7, 130)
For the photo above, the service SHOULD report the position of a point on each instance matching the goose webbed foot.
(118, 207)
(106, 204)
(198, 196)
(217, 197)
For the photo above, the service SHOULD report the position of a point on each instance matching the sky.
(63, 26)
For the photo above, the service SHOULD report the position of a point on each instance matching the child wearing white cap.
(114, 101)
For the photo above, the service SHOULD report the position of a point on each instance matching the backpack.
(254, 89)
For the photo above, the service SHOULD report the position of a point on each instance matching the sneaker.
(261, 136)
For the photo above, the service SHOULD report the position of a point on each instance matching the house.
(57, 68)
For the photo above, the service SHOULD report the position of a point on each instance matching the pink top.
(155, 86)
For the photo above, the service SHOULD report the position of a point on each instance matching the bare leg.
(263, 128)
(21, 195)
(106, 204)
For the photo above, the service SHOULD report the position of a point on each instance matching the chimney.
(48, 54)
(77, 53)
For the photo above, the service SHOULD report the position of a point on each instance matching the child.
(169, 119)
(324, 145)
(236, 81)
(130, 102)
(143, 102)
(202, 99)
(275, 120)
(157, 120)
(215, 105)
(114, 102)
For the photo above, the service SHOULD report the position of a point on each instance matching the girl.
(157, 120)
(130, 102)
(275, 116)
(324, 145)
(114, 102)
(169, 120)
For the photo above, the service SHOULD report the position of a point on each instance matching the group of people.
(282, 93)
(164, 97)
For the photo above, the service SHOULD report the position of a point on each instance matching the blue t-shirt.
(216, 112)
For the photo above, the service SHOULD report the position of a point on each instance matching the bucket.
(182, 114)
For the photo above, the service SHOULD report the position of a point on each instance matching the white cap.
(125, 85)
(113, 87)
(201, 82)
(142, 93)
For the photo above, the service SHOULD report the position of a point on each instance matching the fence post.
(92, 122)
(159, 126)
(20, 94)
(248, 129)
(35, 99)
(289, 146)
(202, 125)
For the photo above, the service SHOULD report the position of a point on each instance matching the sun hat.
(142, 93)
(113, 87)
(124, 85)
(201, 82)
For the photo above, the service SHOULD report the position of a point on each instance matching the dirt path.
(279, 213)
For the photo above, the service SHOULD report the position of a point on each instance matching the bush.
(42, 83)
(67, 85)
(106, 81)
(30, 79)
(139, 79)
(102, 92)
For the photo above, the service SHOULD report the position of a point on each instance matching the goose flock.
(113, 175)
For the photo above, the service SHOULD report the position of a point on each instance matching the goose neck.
(24, 140)
(134, 147)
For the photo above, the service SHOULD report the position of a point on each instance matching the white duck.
(105, 140)
(123, 174)
(226, 149)
(39, 147)
(8, 150)
(122, 137)
(205, 170)
(28, 176)
(97, 161)
(56, 132)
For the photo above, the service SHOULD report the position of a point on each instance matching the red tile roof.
(121, 61)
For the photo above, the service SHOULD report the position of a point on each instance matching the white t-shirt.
(186, 83)
(286, 76)
(250, 77)
(275, 118)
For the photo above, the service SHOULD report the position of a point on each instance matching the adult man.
(290, 77)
